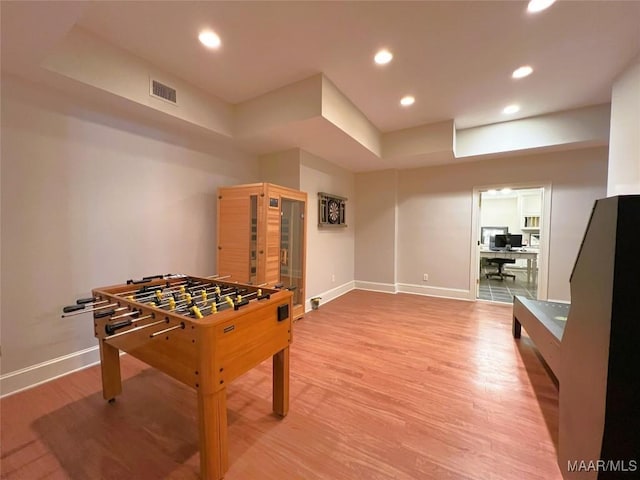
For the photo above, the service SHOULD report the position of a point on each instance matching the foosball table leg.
(214, 456)
(110, 365)
(281, 382)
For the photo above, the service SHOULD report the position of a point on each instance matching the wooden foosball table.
(202, 331)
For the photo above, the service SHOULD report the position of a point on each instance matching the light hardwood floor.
(382, 387)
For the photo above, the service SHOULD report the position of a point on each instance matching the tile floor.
(498, 290)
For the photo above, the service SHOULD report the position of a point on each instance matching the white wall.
(582, 127)
(624, 146)
(435, 206)
(500, 212)
(91, 199)
(330, 251)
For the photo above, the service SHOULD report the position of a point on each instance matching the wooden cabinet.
(262, 237)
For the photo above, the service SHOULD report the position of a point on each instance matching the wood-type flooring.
(382, 387)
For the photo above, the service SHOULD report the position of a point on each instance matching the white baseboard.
(14, 382)
(455, 293)
(330, 294)
(34, 375)
(376, 286)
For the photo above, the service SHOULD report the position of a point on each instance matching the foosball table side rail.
(184, 347)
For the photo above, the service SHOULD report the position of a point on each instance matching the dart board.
(331, 210)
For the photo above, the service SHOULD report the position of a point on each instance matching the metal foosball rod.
(160, 294)
(240, 301)
(108, 313)
(88, 310)
(225, 299)
(150, 292)
(190, 306)
(126, 314)
(167, 330)
(110, 329)
(187, 297)
(149, 289)
(187, 305)
(81, 305)
(201, 286)
(168, 285)
(150, 278)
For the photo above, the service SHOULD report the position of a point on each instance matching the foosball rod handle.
(144, 279)
(82, 301)
(110, 329)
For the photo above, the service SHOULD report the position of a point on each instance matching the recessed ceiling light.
(511, 109)
(492, 191)
(522, 72)
(383, 57)
(539, 5)
(406, 101)
(209, 39)
(506, 190)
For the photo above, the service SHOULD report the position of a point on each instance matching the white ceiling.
(455, 57)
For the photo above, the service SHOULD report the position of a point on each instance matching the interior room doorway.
(510, 242)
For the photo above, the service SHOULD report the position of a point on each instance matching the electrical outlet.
(425, 277)
(333, 277)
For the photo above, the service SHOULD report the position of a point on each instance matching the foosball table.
(202, 331)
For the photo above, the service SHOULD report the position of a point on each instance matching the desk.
(530, 255)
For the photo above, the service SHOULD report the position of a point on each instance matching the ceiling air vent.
(162, 91)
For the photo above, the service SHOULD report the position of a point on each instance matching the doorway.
(509, 242)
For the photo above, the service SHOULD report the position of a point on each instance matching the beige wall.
(91, 61)
(281, 168)
(435, 207)
(330, 251)
(340, 111)
(91, 196)
(624, 147)
(90, 199)
(376, 239)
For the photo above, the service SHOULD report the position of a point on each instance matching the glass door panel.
(291, 247)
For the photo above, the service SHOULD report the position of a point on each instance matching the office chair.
(500, 263)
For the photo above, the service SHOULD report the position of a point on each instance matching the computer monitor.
(508, 240)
